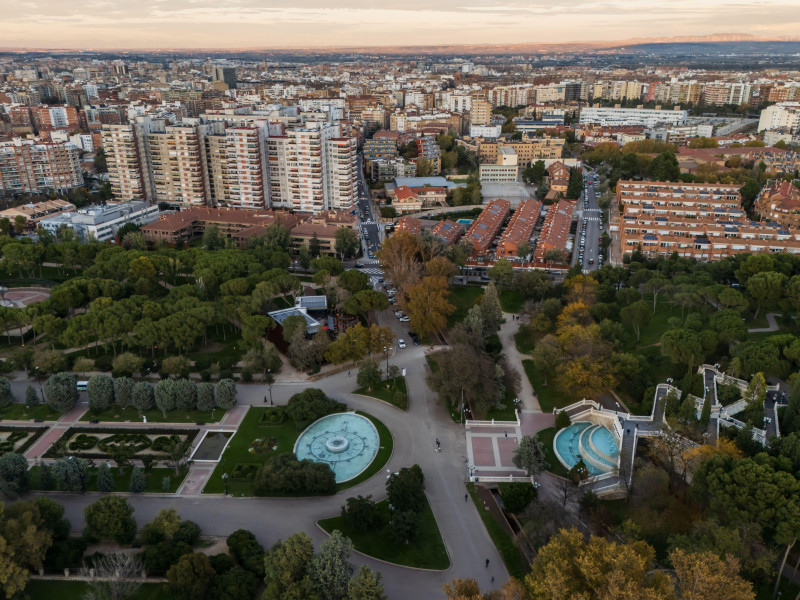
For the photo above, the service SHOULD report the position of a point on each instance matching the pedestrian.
(466, 497)
(492, 578)
(487, 563)
(506, 434)
(265, 399)
(348, 373)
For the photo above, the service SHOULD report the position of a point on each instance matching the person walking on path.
(487, 563)
(466, 497)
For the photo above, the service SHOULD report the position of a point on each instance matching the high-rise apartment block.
(29, 167)
(784, 117)
(225, 74)
(480, 110)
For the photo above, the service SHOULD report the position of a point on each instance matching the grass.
(224, 347)
(512, 557)
(20, 412)
(546, 436)
(548, 397)
(427, 552)
(525, 344)
(116, 414)
(753, 415)
(76, 590)
(454, 216)
(238, 451)
(153, 480)
(393, 391)
(506, 413)
(658, 325)
(385, 449)
(511, 301)
(463, 298)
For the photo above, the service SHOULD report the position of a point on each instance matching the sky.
(98, 24)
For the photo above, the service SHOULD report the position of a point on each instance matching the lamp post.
(39, 382)
(386, 352)
(225, 481)
(269, 380)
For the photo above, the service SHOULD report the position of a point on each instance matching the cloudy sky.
(304, 23)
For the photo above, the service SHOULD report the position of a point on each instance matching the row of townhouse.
(555, 230)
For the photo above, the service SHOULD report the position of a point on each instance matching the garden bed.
(427, 552)
(99, 442)
(115, 414)
(393, 391)
(18, 439)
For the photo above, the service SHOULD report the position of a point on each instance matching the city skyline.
(153, 24)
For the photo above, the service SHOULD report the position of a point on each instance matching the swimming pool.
(465, 221)
(588, 441)
(346, 441)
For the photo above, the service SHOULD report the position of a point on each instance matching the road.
(371, 230)
(590, 222)
(414, 433)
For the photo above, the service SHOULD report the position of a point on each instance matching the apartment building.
(480, 110)
(555, 230)
(126, 155)
(527, 151)
(27, 166)
(484, 229)
(784, 116)
(645, 117)
(701, 221)
(779, 202)
(428, 148)
(54, 117)
(520, 228)
(504, 170)
(383, 148)
(409, 224)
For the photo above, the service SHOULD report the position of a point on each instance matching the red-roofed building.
(520, 228)
(448, 230)
(779, 202)
(485, 227)
(409, 224)
(555, 231)
(413, 199)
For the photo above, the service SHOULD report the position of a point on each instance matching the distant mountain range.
(475, 49)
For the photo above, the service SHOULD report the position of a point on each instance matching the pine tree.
(105, 481)
(46, 481)
(705, 415)
(31, 397)
(137, 481)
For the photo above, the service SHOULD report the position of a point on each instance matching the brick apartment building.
(701, 221)
(448, 230)
(779, 202)
(527, 151)
(555, 230)
(409, 224)
(520, 228)
(484, 229)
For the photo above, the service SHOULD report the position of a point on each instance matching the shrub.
(284, 475)
(244, 547)
(176, 365)
(562, 420)
(188, 532)
(361, 513)
(205, 375)
(123, 391)
(309, 405)
(247, 376)
(137, 482)
(49, 361)
(166, 395)
(142, 396)
(205, 396)
(273, 416)
(31, 397)
(14, 470)
(110, 518)
(83, 364)
(127, 364)
(226, 393)
(101, 392)
(186, 394)
(516, 496)
(158, 559)
(83, 441)
(133, 442)
(6, 397)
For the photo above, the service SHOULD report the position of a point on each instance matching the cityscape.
(466, 302)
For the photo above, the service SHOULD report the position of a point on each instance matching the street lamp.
(225, 481)
(269, 380)
(39, 382)
(386, 352)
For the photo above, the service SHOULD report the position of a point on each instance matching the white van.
(82, 385)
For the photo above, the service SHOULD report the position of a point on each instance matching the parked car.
(401, 343)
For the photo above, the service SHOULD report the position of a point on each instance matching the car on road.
(404, 320)
(591, 261)
(401, 343)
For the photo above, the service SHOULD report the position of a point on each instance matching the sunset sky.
(305, 23)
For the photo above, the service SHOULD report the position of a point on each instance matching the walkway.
(514, 357)
(773, 325)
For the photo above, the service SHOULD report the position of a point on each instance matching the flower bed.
(102, 442)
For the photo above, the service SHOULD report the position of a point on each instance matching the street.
(590, 228)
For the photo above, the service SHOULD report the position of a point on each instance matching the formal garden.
(97, 443)
(18, 439)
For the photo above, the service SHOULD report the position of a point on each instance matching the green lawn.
(658, 325)
(547, 436)
(121, 415)
(388, 391)
(463, 298)
(428, 552)
(548, 396)
(524, 343)
(76, 590)
(512, 557)
(454, 216)
(511, 301)
(238, 451)
(20, 412)
(385, 450)
(153, 480)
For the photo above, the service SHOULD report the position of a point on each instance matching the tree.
(329, 570)
(405, 526)
(105, 481)
(682, 346)
(491, 311)
(205, 396)
(756, 391)
(502, 273)
(575, 184)
(369, 375)
(6, 397)
(346, 242)
(71, 474)
(24, 542)
(353, 281)
(127, 364)
(123, 391)
(406, 489)
(190, 578)
(366, 585)
(142, 396)
(185, 394)
(31, 397)
(517, 496)
(226, 393)
(61, 392)
(101, 392)
(529, 455)
(49, 361)
(244, 547)
(13, 474)
(286, 566)
(729, 325)
(705, 576)
(176, 365)
(665, 167)
(428, 307)
(166, 396)
(766, 289)
(361, 513)
(163, 527)
(113, 576)
(705, 414)
(110, 518)
(293, 328)
(137, 482)
(638, 315)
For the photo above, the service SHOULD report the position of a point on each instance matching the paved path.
(415, 432)
(515, 358)
(773, 325)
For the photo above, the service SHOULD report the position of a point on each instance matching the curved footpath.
(270, 519)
